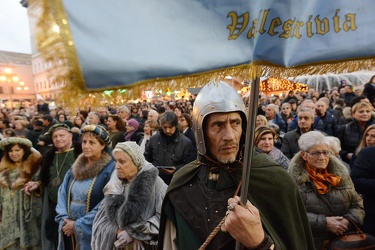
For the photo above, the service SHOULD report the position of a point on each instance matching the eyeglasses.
(325, 153)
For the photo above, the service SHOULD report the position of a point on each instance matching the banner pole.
(249, 142)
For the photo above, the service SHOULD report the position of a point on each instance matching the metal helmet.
(215, 97)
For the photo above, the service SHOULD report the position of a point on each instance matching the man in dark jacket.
(349, 94)
(273, 116)
(369, 90)
(203, 193)
(363, 177)
(169, 149)
(329, 120)
(317, 125)
(33, 135)
(290, 140)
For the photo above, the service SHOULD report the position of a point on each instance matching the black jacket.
(350, 136)
(363, 176)
(175, 151)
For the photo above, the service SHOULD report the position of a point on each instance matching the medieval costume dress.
(20, 214)
(79, 198)
(191, 196)
(134, 206)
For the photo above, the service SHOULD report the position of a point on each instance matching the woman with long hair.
(185, 126)
(368, 140)
(78, 121)
(116, 127)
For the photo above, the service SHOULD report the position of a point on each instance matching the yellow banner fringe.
(56, 45)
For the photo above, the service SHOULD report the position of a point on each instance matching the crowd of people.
(164, 174)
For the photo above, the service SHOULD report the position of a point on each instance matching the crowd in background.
(163, 131)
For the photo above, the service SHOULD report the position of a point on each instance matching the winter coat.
(363, 176)
(279, 157)
(278, 120)
(350, 136)
(342, 200)
(329, 123)
(369, 91)
(176, 151)
(20, 214)
(135, 206)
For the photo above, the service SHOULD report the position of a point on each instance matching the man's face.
(305, 121)
(122, 114)
(45, 122)
(93, 119)
(321, 108)
(223, 134)
(168, 129)
(102, 112)
(62, 139)
(152, 116)
(348, 89)
(270, 113)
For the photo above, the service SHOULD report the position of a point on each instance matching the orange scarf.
(321, 178)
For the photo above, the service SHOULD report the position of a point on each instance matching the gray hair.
(274, 107)
(311, 139)
(306, 109)
(124, 108)
(334, 144)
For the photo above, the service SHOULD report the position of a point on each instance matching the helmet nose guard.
(215, 97)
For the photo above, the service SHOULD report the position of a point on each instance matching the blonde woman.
(368, 140)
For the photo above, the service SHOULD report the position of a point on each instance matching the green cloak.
(271, 190)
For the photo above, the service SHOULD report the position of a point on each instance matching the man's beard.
(227, 160)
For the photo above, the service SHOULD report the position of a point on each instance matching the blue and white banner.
(121, 42)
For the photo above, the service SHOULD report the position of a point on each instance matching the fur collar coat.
(15, 177)
(133, 206)
(300, 175)
(83, 170)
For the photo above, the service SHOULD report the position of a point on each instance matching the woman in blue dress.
(81, 192)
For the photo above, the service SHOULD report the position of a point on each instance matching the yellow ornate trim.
(88, 200)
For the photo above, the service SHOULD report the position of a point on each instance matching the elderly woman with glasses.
(326, 188)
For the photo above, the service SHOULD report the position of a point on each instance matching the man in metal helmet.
(203, 194)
